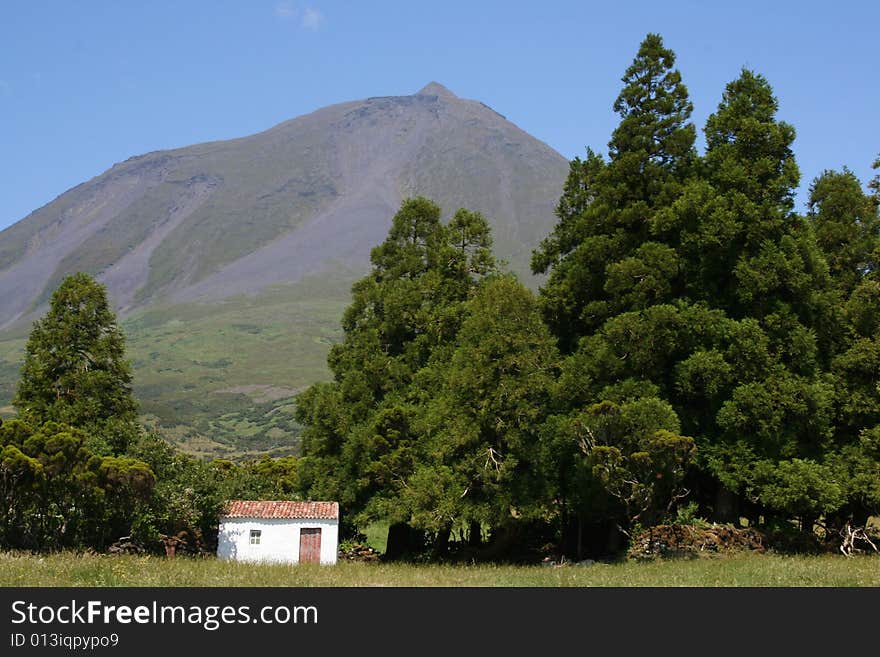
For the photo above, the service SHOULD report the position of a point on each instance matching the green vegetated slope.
(11, 355)
(218, 379)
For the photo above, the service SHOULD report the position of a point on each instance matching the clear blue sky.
(86, 84)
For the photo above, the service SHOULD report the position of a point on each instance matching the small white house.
(279, 531)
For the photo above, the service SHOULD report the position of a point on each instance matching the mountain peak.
(435, 89)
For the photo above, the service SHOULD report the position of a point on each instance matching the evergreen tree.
(75, 370)
(611, 250)
(774, 427)
(478, 411)
(359, 442)
(614, 297)
(847, 227)
(848, 220)
(575, 253)
(757, 261)
(652, 149)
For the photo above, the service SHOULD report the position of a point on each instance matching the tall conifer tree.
(75, 371)
(610, 251)
(359, 442)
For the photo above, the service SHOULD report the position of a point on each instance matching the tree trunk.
(475, 534)
(402, 542)
(807, 524)
(726, 506)
(441, 542)
(580, 544)
(615, 541)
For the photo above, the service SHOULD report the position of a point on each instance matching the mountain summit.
(230, 262)
(435, 89)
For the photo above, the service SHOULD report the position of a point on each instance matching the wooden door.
(310, 545)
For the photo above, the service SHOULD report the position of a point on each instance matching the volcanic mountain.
(230, 262)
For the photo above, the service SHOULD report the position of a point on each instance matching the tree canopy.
(696, 343)
(75, 371)
(361, 442)
(690, 281)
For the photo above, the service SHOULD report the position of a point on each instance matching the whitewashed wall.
(279, 541)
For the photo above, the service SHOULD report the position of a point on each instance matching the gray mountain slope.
(312, 194)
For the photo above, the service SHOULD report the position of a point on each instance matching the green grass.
(748, 570)
(377, 535)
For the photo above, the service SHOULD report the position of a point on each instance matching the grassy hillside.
(219, 379)
(742, 570)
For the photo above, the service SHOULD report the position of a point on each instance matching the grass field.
(749, 570)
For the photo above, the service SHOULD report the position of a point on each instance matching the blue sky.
(86, 84)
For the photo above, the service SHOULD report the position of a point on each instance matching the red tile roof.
(281, 509)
